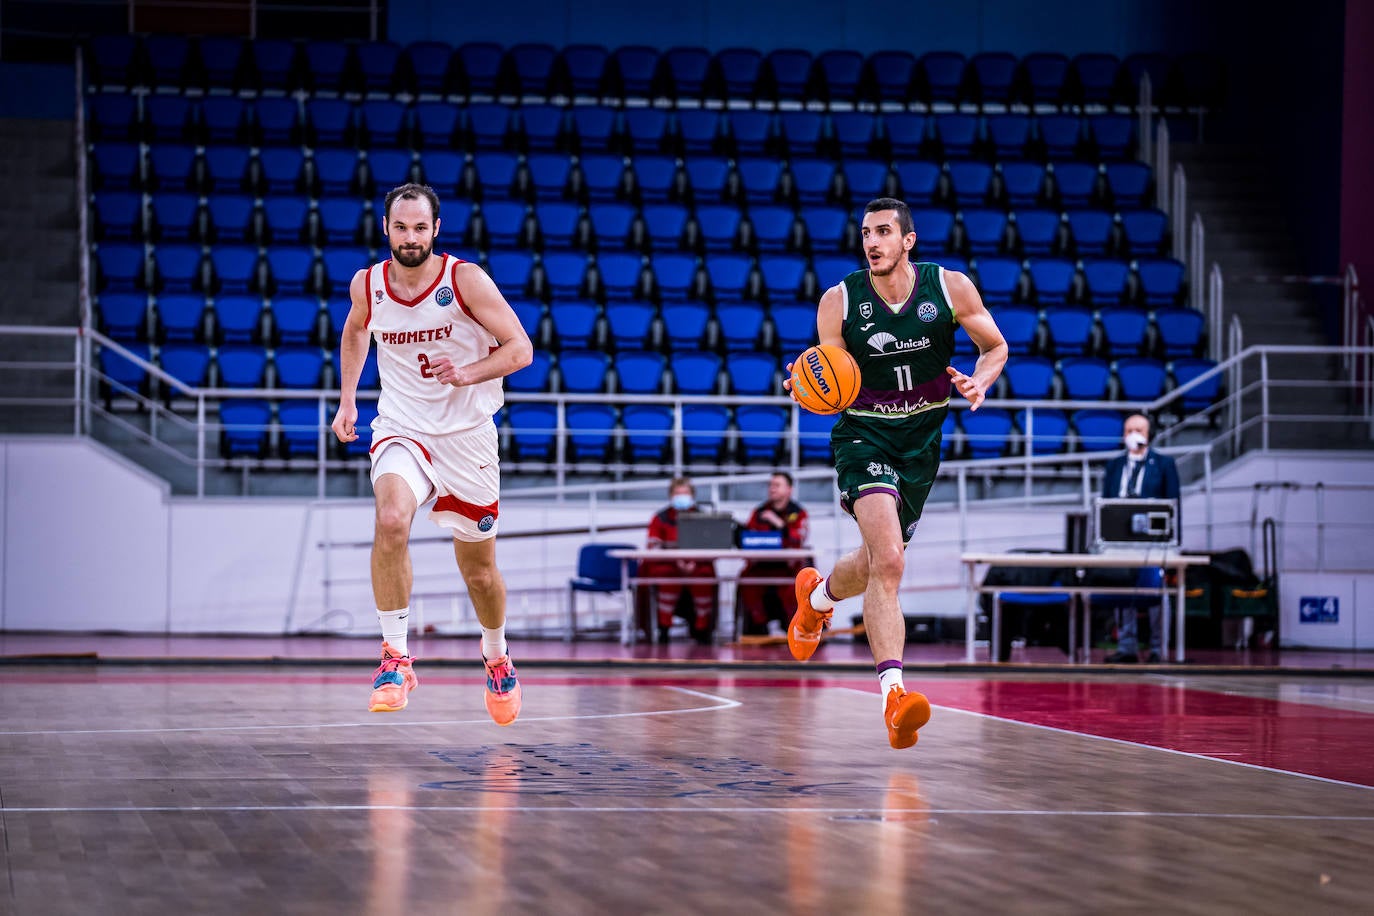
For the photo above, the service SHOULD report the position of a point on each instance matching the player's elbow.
(521, 352)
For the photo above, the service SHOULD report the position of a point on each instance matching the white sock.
(820, 597)
(395, 626)
(494, 642)
(890, 678)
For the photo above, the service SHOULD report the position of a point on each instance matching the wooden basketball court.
(236, 789)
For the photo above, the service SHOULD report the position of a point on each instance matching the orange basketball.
(825, 379)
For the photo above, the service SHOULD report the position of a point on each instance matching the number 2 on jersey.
(425, 371)
(903, 378)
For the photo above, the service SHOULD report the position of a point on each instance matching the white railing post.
(1162, 199)
(322, 446)
(1197, 259)
(1180, 211)
(1213, 310)
(1368, 371)
(200, 444)
(1146, 117)
(1264, 400)
(1350, 316)
(1235, 345)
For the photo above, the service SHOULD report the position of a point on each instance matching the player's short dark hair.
(904, 221)
(412, 191)
(785, 476)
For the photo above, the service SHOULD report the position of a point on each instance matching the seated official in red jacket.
(700, 612)
(767, 608)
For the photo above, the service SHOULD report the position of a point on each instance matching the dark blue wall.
(1019, 26)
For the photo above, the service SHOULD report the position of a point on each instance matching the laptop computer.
(705, 531)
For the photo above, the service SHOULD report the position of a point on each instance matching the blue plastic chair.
(1085, 379)
(891, 74)
(1052, 280)
(597, 573)
(640, 371)
(839, 75)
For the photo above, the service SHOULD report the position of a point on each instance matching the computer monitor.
(705, 531)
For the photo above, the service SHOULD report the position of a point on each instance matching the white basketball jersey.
(410, 335)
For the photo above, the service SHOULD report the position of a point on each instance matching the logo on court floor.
(486, 523)
(444, 296)
(587, 770)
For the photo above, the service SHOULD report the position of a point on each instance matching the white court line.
(1152, 747)
(744, 809)
(391, 722)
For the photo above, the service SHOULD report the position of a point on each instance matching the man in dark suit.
(1140, 472)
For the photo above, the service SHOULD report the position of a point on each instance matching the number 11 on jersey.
(903, 377)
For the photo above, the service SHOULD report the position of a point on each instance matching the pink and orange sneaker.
(392, 682)
(904, 713)
(503, 690)
(804, 632)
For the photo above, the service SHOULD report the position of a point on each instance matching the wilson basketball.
(825, 379)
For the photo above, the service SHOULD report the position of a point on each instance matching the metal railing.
(1352, 308)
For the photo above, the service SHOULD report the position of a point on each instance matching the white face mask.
(1135, 441)
(682, 501)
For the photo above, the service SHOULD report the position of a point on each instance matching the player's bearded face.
(883, 243)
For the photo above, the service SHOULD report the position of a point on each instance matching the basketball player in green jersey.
(897, 320)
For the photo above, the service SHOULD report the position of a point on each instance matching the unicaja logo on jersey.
(444, 296)
(927, 311)
(813, 361)
(882, 340)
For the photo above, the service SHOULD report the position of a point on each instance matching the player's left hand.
(967, 387)
(787, 382)
(445, 372)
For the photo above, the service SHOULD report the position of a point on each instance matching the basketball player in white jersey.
(445, 338)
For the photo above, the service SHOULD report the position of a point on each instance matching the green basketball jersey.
(902, 351)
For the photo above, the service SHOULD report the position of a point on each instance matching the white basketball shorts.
(463, 472)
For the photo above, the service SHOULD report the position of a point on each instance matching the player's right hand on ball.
(787, 382)
(345, 423)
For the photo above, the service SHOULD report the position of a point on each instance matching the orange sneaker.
(804, 632)
(904, 713)
(503, 690)
(392, 682)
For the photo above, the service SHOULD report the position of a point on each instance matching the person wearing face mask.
(663, 534)
(1140, 473)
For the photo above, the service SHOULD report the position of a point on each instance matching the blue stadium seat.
(511, 270)
(534, 377)
(496, 172)
(237, 318)
(1180, 331)
(188, 363)
(655, 178)
(1112, 134)
(181, 317)
(1075, 184)
(299, 367)
(602, 177)
(1029, 378)
(277, 120)
(740, 70)
(753, 372)
(1184, 370)
(813, 437)
(729, 275)
(1070, 331)
(771, 228)
(121, 267)
(178, 268)
(1009, 135)
(695, 371)
(1052, 280)
(274, 61)
(1045, 73)
(985, 230)
(957, 134)
(782, 276)
(1048, 430)
(787, 71)
(865, 180)
(741, 324)
(503, 223)
(1091, 231)
(630, 323)
(1060, 135)
(814, 182)
(675, 277)
(534, 427)
(855, 132)
(684, 72)
(794, 327)
(328, 65)
(574, 323)
(640, 371)
(122, 376)
(116, 166)
(167, 118)
(329, 122)
(1161, 280)
(718, 228)
(760, 179)
(907, 134)
(243, 428)
(611, 223)
(620, 276)
(558, 224)
(665, 225)
(295, 319)
(648, 428)
(113, 117)
(698, 131)
(994, 73)
(750, 131)
(762, 432)
(1140, 379)
(1085, 379)
(999, 282)
(684, 324)
(532, 66)
(704, 432)
(549, 175)
(565, 272)
(114, 59)
(801, 133)
(1094, 77)
(221, 58)
(242, 366)
(707, 177)
(1106, 282)
(119, 216)
(337, 170)
(1124, 330)
(227, 169)
(919, 181)
(379, 66)
(971, 182)
(287, 219)
(840, 74)
(341, 221)
(583, 371)
(891, 74)
(933, 230)
(585, 67)
(281, 171)
(172, 168)
(591, 432)
(647, 131)
(1130, 184)
(479, 62)
(594, 128)
(339, 264)
(540, 127)
(1038, 231)
(1023, 183)
(831, 269)
(635, 66)
(530, 314)
(436, 125)
(825, 229)
(1098, 430)
(123, 316)
(224, 119)
(301, 428)
(290, 270)
(943, 75)
(987, 432)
